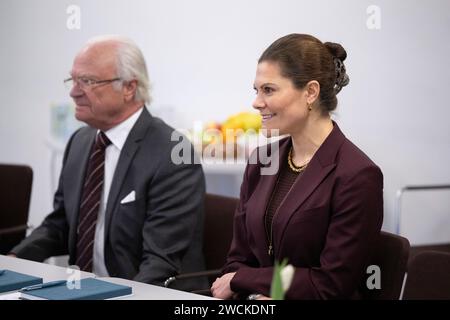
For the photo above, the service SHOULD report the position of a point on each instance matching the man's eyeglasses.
(86, 83)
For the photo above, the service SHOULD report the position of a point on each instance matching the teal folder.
(10, 280)
(89, 289)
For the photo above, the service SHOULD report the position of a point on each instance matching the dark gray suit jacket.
(156, 236)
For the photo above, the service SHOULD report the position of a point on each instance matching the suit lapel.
(261, 196)
(75, 176)
(127, 154)
(323, 162)
(258, 205)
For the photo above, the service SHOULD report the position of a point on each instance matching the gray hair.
(130, 64)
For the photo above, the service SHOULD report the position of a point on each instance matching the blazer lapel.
(75, 176)
(259, 205)
(130, 148)
(261, 196)
(323, 162)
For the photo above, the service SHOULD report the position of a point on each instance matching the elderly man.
(123, 208)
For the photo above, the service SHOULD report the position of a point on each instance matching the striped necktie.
(90, 203)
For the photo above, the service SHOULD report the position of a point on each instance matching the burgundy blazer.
(326, 225)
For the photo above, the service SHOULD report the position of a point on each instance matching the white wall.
(202, 55)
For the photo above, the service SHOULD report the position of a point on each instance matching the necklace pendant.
(270, 251)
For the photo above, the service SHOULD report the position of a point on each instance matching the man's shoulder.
(159, 127)
(161, 133)
(81, 135)
(84, 131)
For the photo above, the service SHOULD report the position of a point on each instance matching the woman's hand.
(221, 287)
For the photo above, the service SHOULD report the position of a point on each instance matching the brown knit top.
(285, 181)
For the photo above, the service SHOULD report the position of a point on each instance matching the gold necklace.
(293, 166)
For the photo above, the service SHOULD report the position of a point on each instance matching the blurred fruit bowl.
(233, 138)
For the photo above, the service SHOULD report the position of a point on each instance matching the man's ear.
(129, 90)
(312, 91)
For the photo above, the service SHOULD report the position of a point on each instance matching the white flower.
(287, 274)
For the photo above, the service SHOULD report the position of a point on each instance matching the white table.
(42, 270)
(144, 291)
(141, 291)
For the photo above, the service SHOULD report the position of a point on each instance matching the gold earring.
(309, 106)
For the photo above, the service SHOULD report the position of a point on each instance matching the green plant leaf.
(276, 290)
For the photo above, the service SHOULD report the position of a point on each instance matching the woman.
(323, 209)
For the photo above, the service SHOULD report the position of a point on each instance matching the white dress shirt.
(118, 135)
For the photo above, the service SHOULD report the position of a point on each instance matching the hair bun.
(336, 50)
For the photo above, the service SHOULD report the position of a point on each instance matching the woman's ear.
(312, 90)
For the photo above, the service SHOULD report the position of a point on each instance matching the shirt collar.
(118, 134)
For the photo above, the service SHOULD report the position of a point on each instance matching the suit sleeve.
(356, 218)
(51, 237)
(174, 218)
